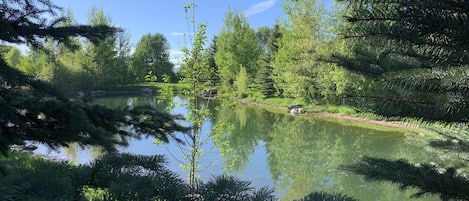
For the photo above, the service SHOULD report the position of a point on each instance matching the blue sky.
(168, 17)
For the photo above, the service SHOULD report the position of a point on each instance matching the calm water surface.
(294, 155)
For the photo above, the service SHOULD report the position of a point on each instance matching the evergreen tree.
(230, 188)
(273, 40)
(326, 197)
(113, 177)
(210, 54)
(31, 110)
(264, 76)
(264, 79)
(417, 52)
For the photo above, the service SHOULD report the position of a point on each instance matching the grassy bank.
(347, 114)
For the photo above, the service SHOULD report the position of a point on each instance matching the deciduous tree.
(152, 57)
(237, 46)
(295, 64)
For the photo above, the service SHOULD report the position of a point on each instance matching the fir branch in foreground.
(429, 179)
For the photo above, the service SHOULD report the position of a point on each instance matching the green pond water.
(296, 155)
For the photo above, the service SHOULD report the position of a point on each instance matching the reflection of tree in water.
(125, 101)
(73, 149)
(451, 145)
(305, 153)
(300, 162)
(248, 127)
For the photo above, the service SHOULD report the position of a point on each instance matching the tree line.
(94, 65)
(283, 61)
(288, 60)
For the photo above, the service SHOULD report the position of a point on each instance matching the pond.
(296, 155)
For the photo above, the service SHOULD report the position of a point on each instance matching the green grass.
(335, 109)
(373, 126)
(345, 110)
(282, 102)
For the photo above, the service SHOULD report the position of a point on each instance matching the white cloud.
(259, 7)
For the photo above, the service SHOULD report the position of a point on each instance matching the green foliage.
(264, 75)
(152, 54)
(91, 65)
(32, 178)
(33, 63)
(241, 82)
(295, 65)
(237, 46)
(335, 109)
(150, 77)
(264, 79)
(230, 188)
(96, 194)
(333, 83)
(263, 34)
(417, 69)
(114, 177)
(428, 178)
(441, 41)
(283, 101)
(13, 56)
(99, 62)
(207, 70)
(318, 196)
(210, 52)
(129, 177)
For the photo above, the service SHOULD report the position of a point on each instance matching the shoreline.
(389, 124)
(348, 118)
